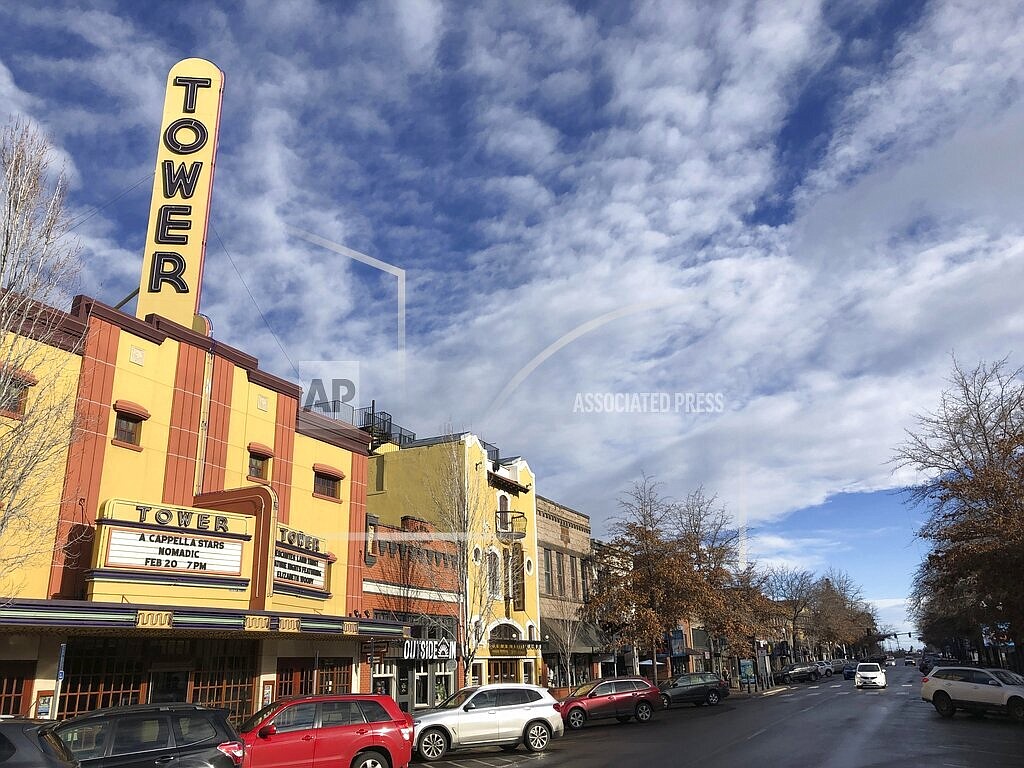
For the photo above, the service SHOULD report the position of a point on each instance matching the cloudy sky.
(802, 210)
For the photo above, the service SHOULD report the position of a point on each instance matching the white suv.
(974, 689)
(825, 667)
(501, 714)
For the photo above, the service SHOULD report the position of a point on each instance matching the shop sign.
(172, 267)
(428, 650)
(173, 551)
(301, 559)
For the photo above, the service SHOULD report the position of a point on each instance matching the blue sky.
(802, 208)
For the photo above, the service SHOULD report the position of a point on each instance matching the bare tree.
(463, 517)
(567, 618)
(970, 453)
(38, 266)
(793, 589)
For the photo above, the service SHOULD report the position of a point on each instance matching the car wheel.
(576, 719)
(370, 760)
(433, 745)
(943, 704)
(1015, 709)
(666, 701)
(828, 673)
(712, 698)
(537, 737)
(644, 712)
(814, 677)
(787, 679)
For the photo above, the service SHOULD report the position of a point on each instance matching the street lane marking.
(756, 734)
(814, 694)
(812, 687)
(787, 695)
(908, 685)
(843, 693)
(836, 686)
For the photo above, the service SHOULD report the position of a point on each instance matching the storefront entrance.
(168, 686)
(505, 671)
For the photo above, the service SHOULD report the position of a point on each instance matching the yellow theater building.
(480, 507)
(206, 530)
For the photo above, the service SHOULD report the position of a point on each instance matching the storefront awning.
(588, 639)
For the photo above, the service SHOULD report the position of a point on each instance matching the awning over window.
(589, 639)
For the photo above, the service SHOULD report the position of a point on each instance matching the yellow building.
(481, 512)
(199, 536)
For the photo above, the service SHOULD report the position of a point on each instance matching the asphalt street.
(828, 724)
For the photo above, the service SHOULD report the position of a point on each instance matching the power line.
(255, 303)
(75, 223)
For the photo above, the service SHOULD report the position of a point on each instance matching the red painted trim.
(183, 435)
(132, 409)
(261, 450)
(284, 448)
(72, 552)
(322, 497)
(354, 598)
(123, 444)
(327, 469)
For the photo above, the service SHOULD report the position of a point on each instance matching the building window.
(14, 397)
(560, 572)
(327, 482)
(323, 485)
(574, 583)
(128, 424)
(503, 513)
(128, 429)
(494, 575)
(259, 466)
(548, 587)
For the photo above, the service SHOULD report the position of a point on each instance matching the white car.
(869, 675)
(974, 689)
(890, 661)
(503, 714)
(826, 668)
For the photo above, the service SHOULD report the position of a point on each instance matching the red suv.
(357, 730)
(619, 697)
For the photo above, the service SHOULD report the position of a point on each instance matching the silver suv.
(503, 714)
(976, 690)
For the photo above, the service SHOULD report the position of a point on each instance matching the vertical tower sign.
(172, 268)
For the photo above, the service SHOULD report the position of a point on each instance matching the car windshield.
(457, 699)
(1006, 677)
(584, 689)
(868, 668)
(251, 722)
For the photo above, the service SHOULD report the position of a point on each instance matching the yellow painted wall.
(58, 373)
(326, 520)
(140, 474)
(250, 423)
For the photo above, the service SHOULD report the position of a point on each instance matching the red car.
(620, 697)
(354, 729)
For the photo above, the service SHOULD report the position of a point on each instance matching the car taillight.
(924, 679)
(233, 749)
(558, 706)
(407, 728)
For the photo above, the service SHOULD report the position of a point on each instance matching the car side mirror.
(995, 683)
(267, 731)
(469, 706)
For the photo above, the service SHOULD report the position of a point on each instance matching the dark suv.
(694, 688)
(144, 735)
(796, 673)
(32, 744)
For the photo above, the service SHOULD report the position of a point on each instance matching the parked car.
(33, 744)
(620, 697)
(796, 673)
(909, 661)
(870, 674)
(825, 668)
(974, 689)
(144, 735)
(850, 670)
(838, 665)
(502, 714)
(696, 688)
(354, 729)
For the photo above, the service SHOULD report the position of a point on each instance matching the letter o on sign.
(178, 147)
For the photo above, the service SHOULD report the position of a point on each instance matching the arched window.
(494, 574)
(503, 513)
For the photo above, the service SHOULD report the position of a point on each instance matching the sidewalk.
(741, 693)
